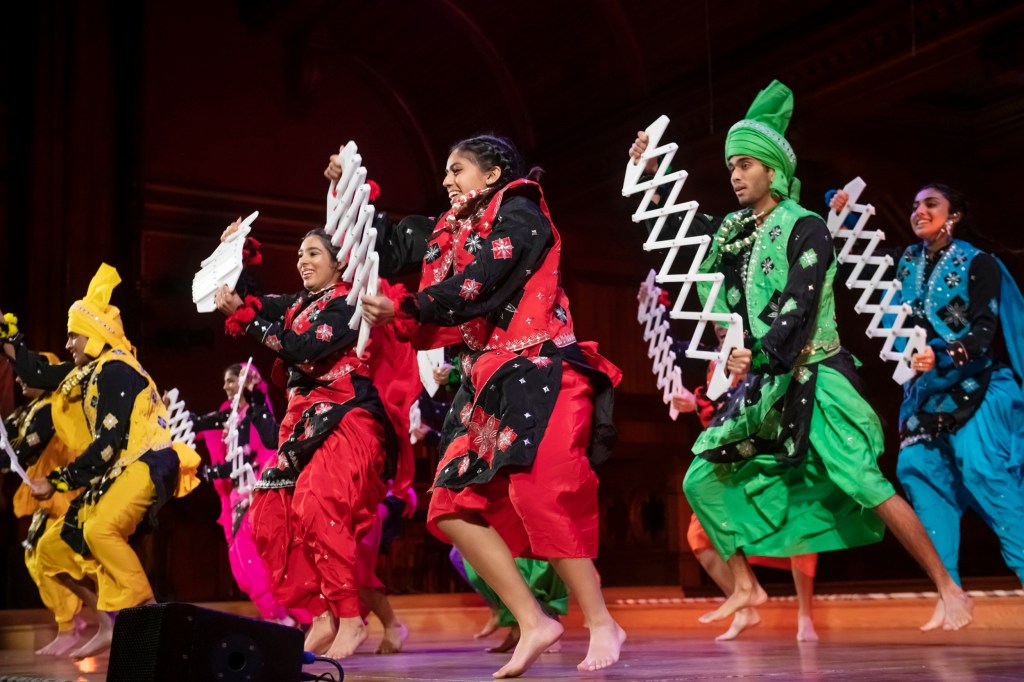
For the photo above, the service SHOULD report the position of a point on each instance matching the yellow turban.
(95, 318)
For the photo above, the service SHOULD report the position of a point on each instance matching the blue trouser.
(977, 467)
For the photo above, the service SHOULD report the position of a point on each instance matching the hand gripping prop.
(350, 226)
(241, 471)
(916, 338)
(721, 380)
(224, 266)
(179, 421)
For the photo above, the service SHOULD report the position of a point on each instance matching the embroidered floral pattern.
(473, 243)
(505, 438)
(502, 248)
(470, 289)
(808, 258)
(324, 332)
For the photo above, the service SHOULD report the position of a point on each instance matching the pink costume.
(246, 565)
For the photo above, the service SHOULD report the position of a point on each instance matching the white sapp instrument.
(179, 421)
(224, 266)
(874, 288)
(651, 314)
(350, 226)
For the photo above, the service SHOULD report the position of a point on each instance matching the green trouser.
(542, 580)
(766, 508)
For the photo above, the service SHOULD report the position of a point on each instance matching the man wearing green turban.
(788, 464)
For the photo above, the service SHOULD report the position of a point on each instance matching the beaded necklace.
(460, 203)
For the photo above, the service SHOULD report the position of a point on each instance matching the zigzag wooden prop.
(179, 421)
(720, 379)
(350, 225)
(656, 332)
(241, 470)
(223, 266)
(874, 283)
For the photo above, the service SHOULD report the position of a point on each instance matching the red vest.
(543, 312)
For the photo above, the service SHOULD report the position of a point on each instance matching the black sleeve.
(809, 253)
(262, 417)
(118, 386)
(983, 310)
(276, 305)
(211, 421)
(503, 261)
(37, 436)
(330, 333)
(33, 368)
(401, 246)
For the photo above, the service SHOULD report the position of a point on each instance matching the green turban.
(761, 135)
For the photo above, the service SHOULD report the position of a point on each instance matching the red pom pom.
(663, 299)
(374, 189)
(236, 323)
(251, 252)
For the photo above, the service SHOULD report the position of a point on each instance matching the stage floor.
(863, 637)
(881, 654)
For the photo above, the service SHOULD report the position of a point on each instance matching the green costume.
(788, 464)
(542, 580)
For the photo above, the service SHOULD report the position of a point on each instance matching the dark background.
(133, 132)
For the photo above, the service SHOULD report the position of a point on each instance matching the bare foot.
(743, 620)
(100, 642)
(605, 645)
(507, 644)
(937, 617)
(805, 631)
(64, 641)
(958, 609)
(743, 598)
(532, 642)
(394, 638)
(351, 633)
(321, 633)
(489, 627)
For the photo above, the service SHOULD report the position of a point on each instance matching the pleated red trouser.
(315, 537)
(548, 510)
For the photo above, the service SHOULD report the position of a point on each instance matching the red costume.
(491, 277)
(315, 513)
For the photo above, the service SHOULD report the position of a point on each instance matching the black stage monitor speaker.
(186, 643)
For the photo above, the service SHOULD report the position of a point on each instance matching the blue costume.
(962, 423)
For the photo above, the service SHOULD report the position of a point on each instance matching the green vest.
(767, 273)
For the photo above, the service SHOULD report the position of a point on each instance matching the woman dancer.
(313, 511)
(257, 436)
(962, 417)
(507, 485)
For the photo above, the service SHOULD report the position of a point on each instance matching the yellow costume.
(128, 466)
(32, 429)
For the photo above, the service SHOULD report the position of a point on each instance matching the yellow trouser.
(113, 565)
(61, 601)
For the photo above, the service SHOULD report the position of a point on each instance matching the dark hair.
(957, 204)
(491, 150)
(235, 370)
(319, 232)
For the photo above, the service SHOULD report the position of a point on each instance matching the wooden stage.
(863, 637)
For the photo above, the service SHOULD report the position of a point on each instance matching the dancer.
(128, 467)
(257, 436)
(803, 566)
(962, 418)
(32, 437)
(507, 485)
(788, 465)
(313, 512)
